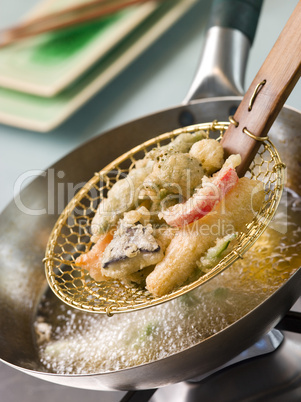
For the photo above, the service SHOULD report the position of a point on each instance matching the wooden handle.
(267, 94)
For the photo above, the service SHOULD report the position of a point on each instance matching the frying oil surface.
(71, 341)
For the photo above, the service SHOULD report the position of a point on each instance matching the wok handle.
(138, 396)
(267, 94)
(242, 15)
(231, 30)
(291, 322)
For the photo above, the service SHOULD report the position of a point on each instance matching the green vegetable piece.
(215, 253)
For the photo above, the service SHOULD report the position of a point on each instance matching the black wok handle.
(138, 396)
(242, 15)
(291, 322)
(221, 71)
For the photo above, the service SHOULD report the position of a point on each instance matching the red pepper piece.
(204, 200)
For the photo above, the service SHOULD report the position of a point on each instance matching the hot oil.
(81, 343)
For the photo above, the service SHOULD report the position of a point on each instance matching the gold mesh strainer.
(71, 235)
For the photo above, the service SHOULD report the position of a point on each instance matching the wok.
(24, 231)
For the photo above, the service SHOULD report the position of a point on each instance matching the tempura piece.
(216, 253)
(138, 277)
(122, 197)
(178, 173)
(181, 144)
(206, 197)
(192, 241)
(139, 215)
(133, 247)
(209, 153)
(91, 261)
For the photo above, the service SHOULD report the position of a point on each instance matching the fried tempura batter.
(192, 241)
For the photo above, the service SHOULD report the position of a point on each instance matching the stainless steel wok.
(23, 236)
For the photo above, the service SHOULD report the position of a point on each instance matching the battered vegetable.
(215, 253)
(132, 248)
(209, 153)
(206, 197)
(122, 197)
(176, 174)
